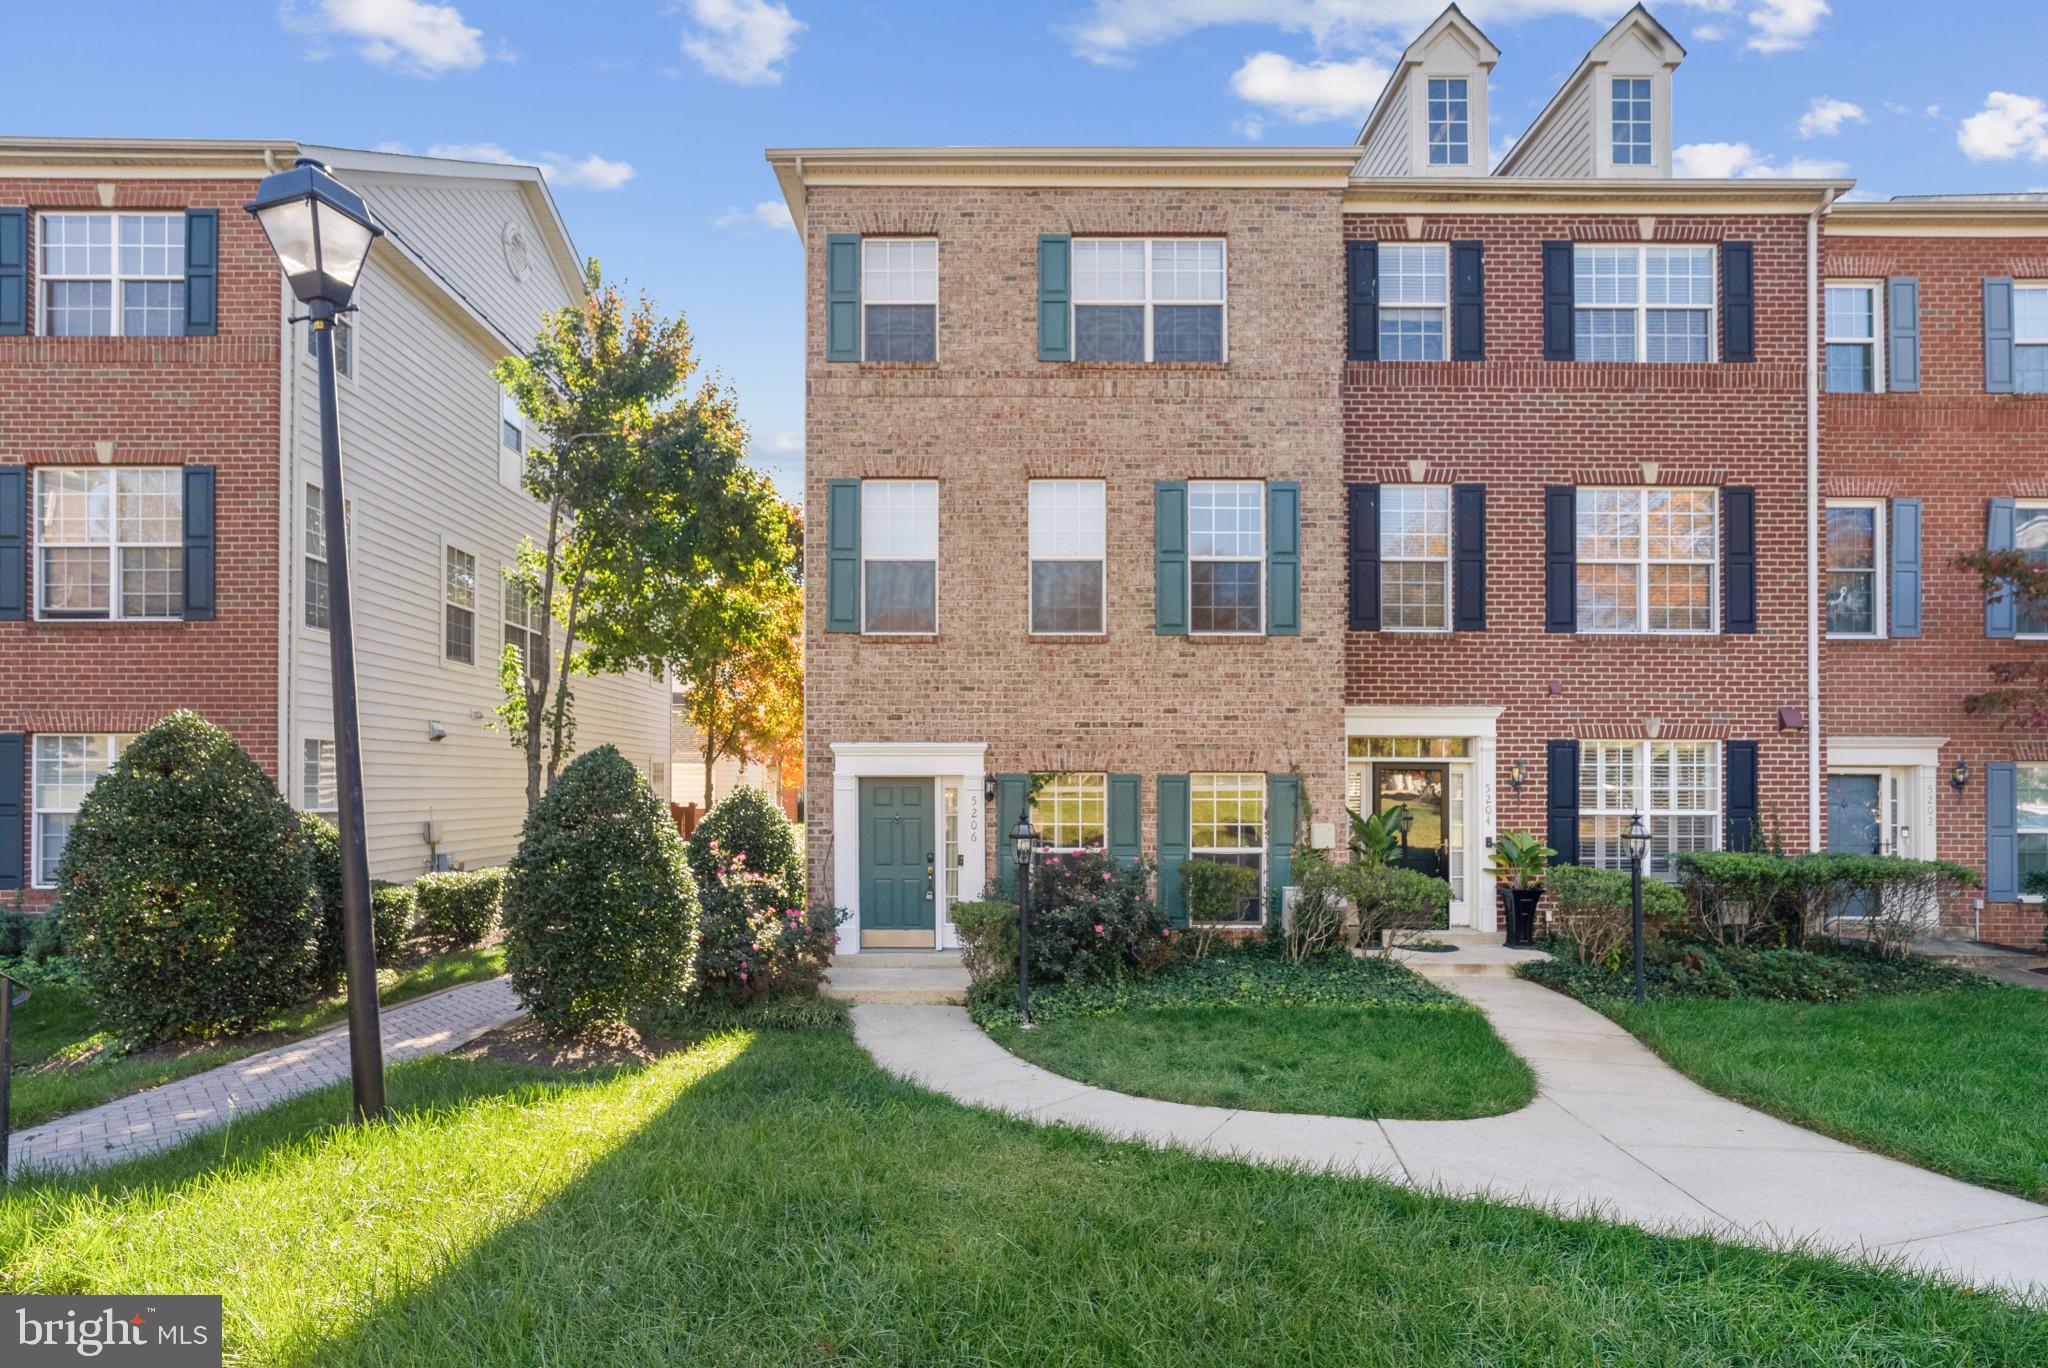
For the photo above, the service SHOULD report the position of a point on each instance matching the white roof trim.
(1637, 18)
(1453, 18)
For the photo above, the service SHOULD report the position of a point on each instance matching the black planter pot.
(1521, 904)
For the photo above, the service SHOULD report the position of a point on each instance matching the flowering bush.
(757, 941)
(1092, 919)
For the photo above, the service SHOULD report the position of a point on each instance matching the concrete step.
(899, 977)
(1477, 953)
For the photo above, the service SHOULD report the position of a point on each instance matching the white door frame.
(1917, 762)
(1478, 727)
(942, 762)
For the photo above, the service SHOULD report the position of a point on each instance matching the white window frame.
(1642, 308)
(344, 329)
(1237, 787)
(1236, 559)
(2021, 825)
(867, 546)
(1086, 790)
(2019, 507)
(867, 301)
(1879, 571)
(113, 546)
(2020, 287)
(114, 277)
(446, 599)
(1644, 562)
(317, 762)
(1648, 125)
(1444, 560)
(1148, 301)
(1060, 537)
(1429, 103)
(1390, 252)
(1644, 799)
(111, 744)
(1875, 341)
(313, 524)
(511, 594)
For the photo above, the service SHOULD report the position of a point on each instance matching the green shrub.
(1742, 893)
(599, 906)
(188, 888)
(459, 906)
(1216, 898)
(988, 939)
(747, 828)
(392, 912)
(1824, 971)
(390, 925)
(1092, 919)
(1594, 910)
(15, 930)
(1395, 901)
(758, 937)
(1317, 924)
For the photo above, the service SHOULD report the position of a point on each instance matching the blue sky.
(652, 114)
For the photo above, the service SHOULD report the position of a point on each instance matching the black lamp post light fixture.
(321, 231)
(1637, 839)
(1024, 845)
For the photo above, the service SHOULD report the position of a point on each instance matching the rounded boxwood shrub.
(747, 828)
(459, 906)
(599, 907)
(187, 885)
(391, 922)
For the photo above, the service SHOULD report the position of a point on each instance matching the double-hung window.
(899, 294)
(1071, 812)
(524, 622)
(112, 275)
(1067, 557)
(1855, 568)
(317, 781)
(1647, 560)
(1450, 123)
(899, 547)
(1143, 299)
(110, 543)
(1415, 558)
(2030, 339)
(1414, 301)
(64, 769)
(1227, 556)
(314, 517)
(511, 425)
(1643, 303)
(459, 606)
(1675, 785)
(2033, 821)
(1229, 826)
(2030, 535)
(1855, 319)
(1631, 109)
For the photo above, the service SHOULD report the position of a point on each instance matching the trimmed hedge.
(459, 906)
(390, 923)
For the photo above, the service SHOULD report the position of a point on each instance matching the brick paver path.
(168, 1115)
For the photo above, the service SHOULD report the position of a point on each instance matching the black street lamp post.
(1024, 844)
(1637, 838)
(321, 232)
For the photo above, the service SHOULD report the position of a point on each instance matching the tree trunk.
(561, 711)
(538, 671)
(710, 760)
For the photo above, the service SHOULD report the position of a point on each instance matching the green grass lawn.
(776, 1199)
(63, 1063)
(1420, 1063)
(1949, 1081)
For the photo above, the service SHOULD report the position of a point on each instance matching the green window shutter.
(1125, 842)
(199, 543)
(2001, 611)
(1998, 335)
(1283, 813)
(1055, 297)
(1176, 839)
(842, 556)
(1283, 558)
(1170, 557)
(202, 272)
(13, 811)
(842, 297)
(13, 272)
(13, 544)
(1013, 791)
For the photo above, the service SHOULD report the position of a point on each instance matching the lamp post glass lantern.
(1637, 839)
(321, 232)
(1024, 845)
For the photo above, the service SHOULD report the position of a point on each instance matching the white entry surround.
(943, 762)
(1478, 727)
(1916, 762)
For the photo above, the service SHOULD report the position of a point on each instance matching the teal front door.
(898, 853)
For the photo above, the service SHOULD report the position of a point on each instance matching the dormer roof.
(1450, 26)
(1636, 35)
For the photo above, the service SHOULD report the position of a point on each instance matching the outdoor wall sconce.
(1517, 776)
(988, 788)
(1959, 777)
(436, 732)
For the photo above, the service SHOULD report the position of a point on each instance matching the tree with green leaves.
(2019, 687)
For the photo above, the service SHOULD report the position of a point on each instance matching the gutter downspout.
(1813, 602)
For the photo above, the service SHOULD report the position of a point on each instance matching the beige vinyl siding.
(1565, 146)
(1388, 154)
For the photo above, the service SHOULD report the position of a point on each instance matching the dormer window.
(1450, 124)
(1632, 121)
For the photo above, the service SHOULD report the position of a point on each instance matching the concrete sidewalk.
(143, 1122)
(1613, 1132)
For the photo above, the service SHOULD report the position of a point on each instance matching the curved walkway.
(1614, 1132)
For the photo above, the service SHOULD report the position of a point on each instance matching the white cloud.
(770, 214)
(781, 443)
(742, 41)
(1709, 33)
(412, 36)
(1933, 111)
(1782, 25)
(1738, 160)
(2008, 126)
(590, 173)
(1826, 115)
(1309, 92)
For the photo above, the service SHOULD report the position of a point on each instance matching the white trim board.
(962, 762)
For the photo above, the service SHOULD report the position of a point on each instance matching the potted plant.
(1518, 863)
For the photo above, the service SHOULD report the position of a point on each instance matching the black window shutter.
(1365, 557)
(1362, 300)
(1468, 558)
(202, 272)
(1468, 301)
(13, 272)
(1557, 301)
(199, 543)
(1560, 559)
(1742, 802)
(13, 819)
(1738, 301)
(1738, 539)
(1561, 829)
(13, 544)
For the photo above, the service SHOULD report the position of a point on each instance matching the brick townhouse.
(1175, 493)
(160, 544)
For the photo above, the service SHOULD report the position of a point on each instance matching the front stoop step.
(902, 978)
(1482, 953)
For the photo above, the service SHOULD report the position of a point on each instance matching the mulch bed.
(524, 1042)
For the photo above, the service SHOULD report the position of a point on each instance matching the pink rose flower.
(1098, 928)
